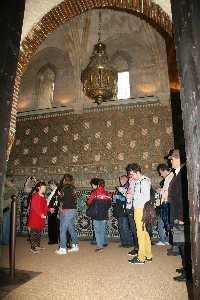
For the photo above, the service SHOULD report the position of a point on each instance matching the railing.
(83, 226)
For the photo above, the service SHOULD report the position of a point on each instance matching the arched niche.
(45, 87)
(57, 60)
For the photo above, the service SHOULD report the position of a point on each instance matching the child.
(37, 216)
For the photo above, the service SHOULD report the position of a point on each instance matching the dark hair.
(52, 181)
(123, 176)
(94, 181)
(68, 179)
(101, 182)
(133, 167)
(182, 155)
(38, 185)
(162, 167)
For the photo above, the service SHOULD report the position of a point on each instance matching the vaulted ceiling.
(36, 9)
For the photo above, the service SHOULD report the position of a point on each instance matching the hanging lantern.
(99, 78)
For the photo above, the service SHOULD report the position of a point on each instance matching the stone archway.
(146, 9)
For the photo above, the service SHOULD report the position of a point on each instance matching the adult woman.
(53, 220)
(68, 201)
(37, 216)
(103, 199)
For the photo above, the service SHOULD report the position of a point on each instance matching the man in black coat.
(179, 212)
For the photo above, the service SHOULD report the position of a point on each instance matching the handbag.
(181, 234)
(92, 210)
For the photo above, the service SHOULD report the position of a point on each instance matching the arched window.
(120, 61)
(46, 81)
(123, 85)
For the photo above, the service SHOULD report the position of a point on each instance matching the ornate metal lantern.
(99, 78)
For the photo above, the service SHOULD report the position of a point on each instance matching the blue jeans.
(105, 236)
(162, 232)
(6, 228)
(133, 229)
(67, 222)
(124, 231)
(100, 232)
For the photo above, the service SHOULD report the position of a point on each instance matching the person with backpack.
(103, 201)
(139, 192)
(163, 217)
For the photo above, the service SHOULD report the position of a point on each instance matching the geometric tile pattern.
(101, 141)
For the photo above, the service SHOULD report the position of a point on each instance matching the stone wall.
(100, 142)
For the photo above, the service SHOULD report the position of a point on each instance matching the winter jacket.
(104, 200)
(68, 197)
(119, 205)
(38, 207)
(178, 197)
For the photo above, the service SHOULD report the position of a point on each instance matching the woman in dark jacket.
(68, 202)
(104, 200)
(53, 220)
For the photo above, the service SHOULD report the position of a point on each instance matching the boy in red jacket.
(104, 201)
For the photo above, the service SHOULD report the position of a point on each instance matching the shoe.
(50, 243)
(93, 243)
(182, 278)
(170, 249)
(99, 250)
(149, 259)
(136, 261)
(105, 245)
(173, 253)
(160, 244)
(166, 243)
(61, 251)
(126, 246)
(180, 270)
(133, 253)
(40, 248)
(4, 244)
(122, 245)
(129, 246)
(75, 248)
(35, 251)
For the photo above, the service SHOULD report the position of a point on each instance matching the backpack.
(152, 194)
(149, 216)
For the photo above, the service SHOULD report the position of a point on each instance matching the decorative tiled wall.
(99, 142)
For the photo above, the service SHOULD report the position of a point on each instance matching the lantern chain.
(99, 32)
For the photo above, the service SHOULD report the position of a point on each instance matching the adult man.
(10, 190)
(119, 201)
(179, 212)
(140, 193)
(163, 219)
